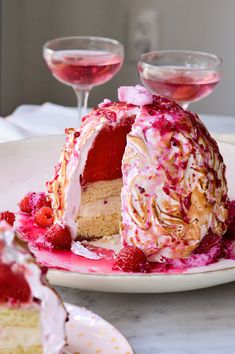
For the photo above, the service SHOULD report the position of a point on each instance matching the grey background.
(206, 25)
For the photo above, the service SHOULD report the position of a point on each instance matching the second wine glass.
(83, 62)
(184, 76)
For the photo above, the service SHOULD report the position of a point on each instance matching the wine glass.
(83, 62)
(184, 76)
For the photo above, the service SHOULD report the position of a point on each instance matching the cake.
(143, 167)
(32, 317)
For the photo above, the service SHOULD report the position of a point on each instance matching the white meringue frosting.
(174, 187)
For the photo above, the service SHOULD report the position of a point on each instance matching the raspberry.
(26, 204)
(209, 241)
(40, 200)
(58, 237)
(13, 286)
(8, 217)
(44, 217)
(34, 201)
(132, 259)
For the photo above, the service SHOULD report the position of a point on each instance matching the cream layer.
(11, 337)
(100, 207)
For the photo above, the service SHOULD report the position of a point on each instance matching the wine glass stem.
(82, 97)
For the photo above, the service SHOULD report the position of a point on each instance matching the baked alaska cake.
(32, 317)
(143, 167)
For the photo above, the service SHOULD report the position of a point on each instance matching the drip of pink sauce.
(62, 260)
(68, 261)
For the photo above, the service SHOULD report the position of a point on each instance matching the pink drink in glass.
(84, 68)
(179, 86)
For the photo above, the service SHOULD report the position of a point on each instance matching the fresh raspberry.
(44, 217)
(132, 259)
(40, 200)
(13, 286)
(58, 237)
(8, 216)
(209, 241)
(26, 204)
(34, 201)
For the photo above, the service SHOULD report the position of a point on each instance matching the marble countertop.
(194, 322)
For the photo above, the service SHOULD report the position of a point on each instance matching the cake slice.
(32, 317)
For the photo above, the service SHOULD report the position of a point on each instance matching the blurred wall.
(206, 25)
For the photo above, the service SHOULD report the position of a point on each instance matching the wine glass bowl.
(184, 76)
(83, 62)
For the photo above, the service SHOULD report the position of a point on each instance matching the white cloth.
(48, 119)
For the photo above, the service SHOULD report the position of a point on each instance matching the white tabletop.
(195, 322)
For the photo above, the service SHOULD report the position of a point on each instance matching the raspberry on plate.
(132, 259)
(34, 201)
(40, 200)
(44, 217)
(26, 204)
(8, 216)
(209, 241)
(58, 237)
(231, 220)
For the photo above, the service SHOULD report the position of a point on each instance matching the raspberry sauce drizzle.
(68, 261)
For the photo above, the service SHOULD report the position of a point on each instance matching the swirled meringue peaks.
(174, 187)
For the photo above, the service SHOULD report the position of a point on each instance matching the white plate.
(27, 164)
(90, 334)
